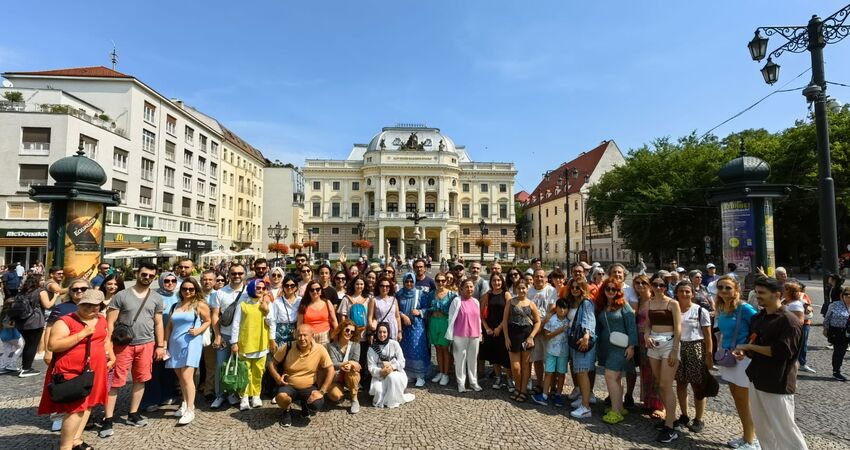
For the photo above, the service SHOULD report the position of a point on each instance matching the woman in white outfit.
(386, 365)
(464, 331)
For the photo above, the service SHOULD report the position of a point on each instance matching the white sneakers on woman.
(187, 417)
(420, 381)
(444, 379)
(437, 378)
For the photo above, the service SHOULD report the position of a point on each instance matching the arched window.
(392, 181)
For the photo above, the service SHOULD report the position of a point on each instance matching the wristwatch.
(322, 391)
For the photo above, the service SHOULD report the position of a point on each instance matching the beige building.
(560, 229)
(403, 170)
(241, 220)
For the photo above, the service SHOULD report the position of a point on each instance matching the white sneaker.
(233, 399)
(56, 425)
(217, 403)
(750, 446)
(420, 382)
(355, 407)
(581, 412)
(39, 355)
(576, 403)
(256, 402)
(807, 368)
(576, 393)
(152, 408)
(181, 411)
(245, 404)
(437, 378)
(475, 387)
(187, 417)
(444, 379)
(461, 389)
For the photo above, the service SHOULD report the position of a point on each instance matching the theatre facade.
(408, 178)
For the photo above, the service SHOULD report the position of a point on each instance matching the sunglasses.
(641, 283)
(147, 275)
(290, 285)
(219, 280)
(316, 290)
(659, 285)
(277, 275)
(169, 281)
(79, 289)
(259, 289)
(237, 274)
(611, 289)
(187, 289)
(385, 286)
(348, 331)
(576, 288)
(440, 280)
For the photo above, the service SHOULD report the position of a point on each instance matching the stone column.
(380, 240)
(444, 243)
(402, 197)
(401, 247)
(422, 245)
(421, 206)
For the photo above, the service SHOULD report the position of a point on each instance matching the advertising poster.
(83, 239)
(738, 227)
(770, 245)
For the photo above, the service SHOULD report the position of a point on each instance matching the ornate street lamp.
(360, 228)
(483, 227)
(276, 233)
(812, 37)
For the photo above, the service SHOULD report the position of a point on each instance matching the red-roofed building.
(556, 209)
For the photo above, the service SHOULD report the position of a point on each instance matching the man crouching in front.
(305, 367)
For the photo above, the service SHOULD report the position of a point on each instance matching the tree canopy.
(659, 195)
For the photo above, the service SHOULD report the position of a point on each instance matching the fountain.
(418, 240)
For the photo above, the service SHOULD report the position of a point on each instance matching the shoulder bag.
(723, 357)
(122, 333)
(616, 338)
(70, 390)
(577, 332)
(229, 312)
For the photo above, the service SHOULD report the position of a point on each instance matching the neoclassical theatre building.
(404, 171)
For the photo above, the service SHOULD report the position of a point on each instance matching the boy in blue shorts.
(554, 332)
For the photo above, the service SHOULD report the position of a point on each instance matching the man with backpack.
(12, 282)
(223, 303)
(26, 310)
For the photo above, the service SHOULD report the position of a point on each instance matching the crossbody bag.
(122, 333)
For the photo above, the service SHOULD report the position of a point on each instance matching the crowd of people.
(318, 336)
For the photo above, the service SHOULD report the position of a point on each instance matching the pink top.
(468, 322)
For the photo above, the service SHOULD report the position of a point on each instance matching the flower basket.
(310, 244)
(362, 244)
(483, 242)
(279, 248)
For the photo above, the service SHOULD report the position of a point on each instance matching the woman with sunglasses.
(582, 317)
(696, 354)
(451, 282)
(340, 286)
(384, 308)
(275, 287)
(617, 316)
(663, 335)
(190, 318)
(514, 275)
(68, 342)
(438, 322)
(359, 315)
(318, 312)
(649, 390)
(344, 351)
(161, 389)
(413, 306)
(283, 314)
(729, 309)
(306, 277)
(522, 325)
(249, 324)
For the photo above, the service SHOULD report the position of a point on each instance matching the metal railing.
(101, 121)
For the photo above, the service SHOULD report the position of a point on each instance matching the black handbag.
(122, 334)
(577, 333)
(70, 390)
(230, 312)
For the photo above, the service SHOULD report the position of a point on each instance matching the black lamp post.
(294, 236)
(310, 238)
(276, 233)
(812, 37)
(360, 228)
(483, 227)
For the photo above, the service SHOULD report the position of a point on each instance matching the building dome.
(745, 169)
(78, 169)
(411, 138)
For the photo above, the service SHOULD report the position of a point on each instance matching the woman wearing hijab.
(386, 365)
(249, 324)
(275, 286)
(413, 307)
(162, 388)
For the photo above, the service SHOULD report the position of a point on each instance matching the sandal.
(515, 395)
(522, 397)
(82, 446)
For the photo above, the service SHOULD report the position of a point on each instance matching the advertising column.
(83, 239)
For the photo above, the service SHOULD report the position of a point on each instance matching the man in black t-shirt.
(774, 346)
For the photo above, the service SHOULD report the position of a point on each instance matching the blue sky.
(535, 83)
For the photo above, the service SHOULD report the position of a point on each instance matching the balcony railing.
(102, 121)
(35, 149)
(403, 215)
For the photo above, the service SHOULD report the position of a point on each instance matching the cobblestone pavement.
(438, 418)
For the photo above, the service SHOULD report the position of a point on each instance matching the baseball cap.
(92, 297)
(710, 266)
(586, 266)
(680, 270)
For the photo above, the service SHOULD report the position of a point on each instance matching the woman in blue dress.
(413, 306)
(190, 318)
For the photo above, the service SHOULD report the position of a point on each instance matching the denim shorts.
(556, 364)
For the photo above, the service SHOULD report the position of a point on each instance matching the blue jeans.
(222, 355)
(804, 345)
